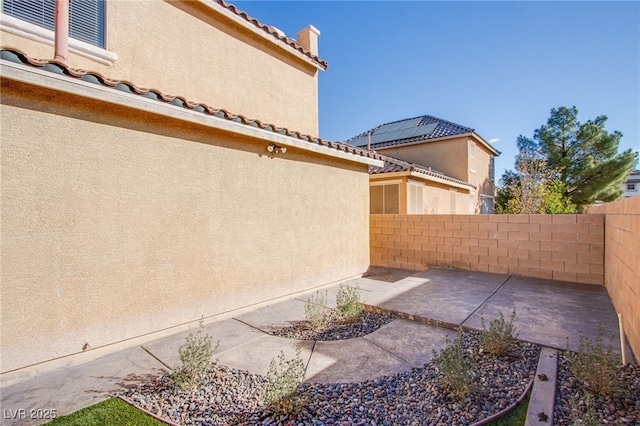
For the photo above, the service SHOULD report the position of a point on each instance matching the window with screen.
(384, 199)
(86, 17)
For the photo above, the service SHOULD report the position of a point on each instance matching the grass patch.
(113, 411)
(516, 417)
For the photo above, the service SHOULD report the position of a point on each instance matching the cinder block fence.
(600, 247)
(558, 247)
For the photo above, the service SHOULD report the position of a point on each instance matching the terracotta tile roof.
(273, 32)
(421, 128)
(393, 165)
(56, 67)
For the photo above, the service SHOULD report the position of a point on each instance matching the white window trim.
(36, 33)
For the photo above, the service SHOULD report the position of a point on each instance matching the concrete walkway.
(547, 313)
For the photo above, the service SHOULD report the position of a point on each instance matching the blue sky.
(498, 67)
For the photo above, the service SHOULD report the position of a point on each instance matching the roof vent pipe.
(62, 31)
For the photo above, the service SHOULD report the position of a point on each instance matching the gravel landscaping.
(338, 329)
(574, 407)
(415, 397)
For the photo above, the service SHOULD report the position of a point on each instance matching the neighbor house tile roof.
(56, 67)
(417, 129)
(273, 32)
(393, 165)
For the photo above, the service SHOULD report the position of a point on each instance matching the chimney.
(308, 39)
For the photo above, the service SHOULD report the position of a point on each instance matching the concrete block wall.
(622, 262)
(558, 247)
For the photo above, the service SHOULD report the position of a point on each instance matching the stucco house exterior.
(457, 151)
(171, 173)
(399, 187)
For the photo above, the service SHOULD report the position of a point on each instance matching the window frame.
(384, 203)
(37, 33)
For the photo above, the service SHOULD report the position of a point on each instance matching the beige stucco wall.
(447, 156)
(451, 157)
(183, 48)
(437, 199)
(117, 223)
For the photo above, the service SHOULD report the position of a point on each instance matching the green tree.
(533, 188)
(585, 156)
(567, 166)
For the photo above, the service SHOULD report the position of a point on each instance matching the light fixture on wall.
(276, 149)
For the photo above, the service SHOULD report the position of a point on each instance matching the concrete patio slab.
(411, 341)
(255, 356)
(274, 316)
(74, 388)
(447, 295)
(229, 333)
(550, 312)
(353, 360)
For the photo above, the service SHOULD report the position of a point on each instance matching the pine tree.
(567, 166)
(584, 156)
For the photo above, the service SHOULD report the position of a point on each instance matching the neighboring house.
(455, 150)
(632, 185)
(130, 213)
(400, 187)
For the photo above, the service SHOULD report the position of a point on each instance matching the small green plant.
(316, 311)
(195, 360)
(283, 381)
(348, 302)
(501, 335)
(595, 366)
(457, 367)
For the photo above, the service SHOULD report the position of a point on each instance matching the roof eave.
(490, 147)
(252, 27)
(46, 79)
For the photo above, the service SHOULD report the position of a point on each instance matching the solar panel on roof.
(426, 129)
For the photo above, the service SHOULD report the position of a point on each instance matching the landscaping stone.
(414, 396)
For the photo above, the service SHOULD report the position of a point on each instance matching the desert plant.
(348, 302)
(195, 360)
(500, 336)
(595, 366)
(283, 381)
(316, 311)
(457, 367)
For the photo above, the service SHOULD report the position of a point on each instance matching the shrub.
(195, 360)
(457, 367)
(348, 302)
(283, 382)
(595, 366)
(316, 311)
(500, 337)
